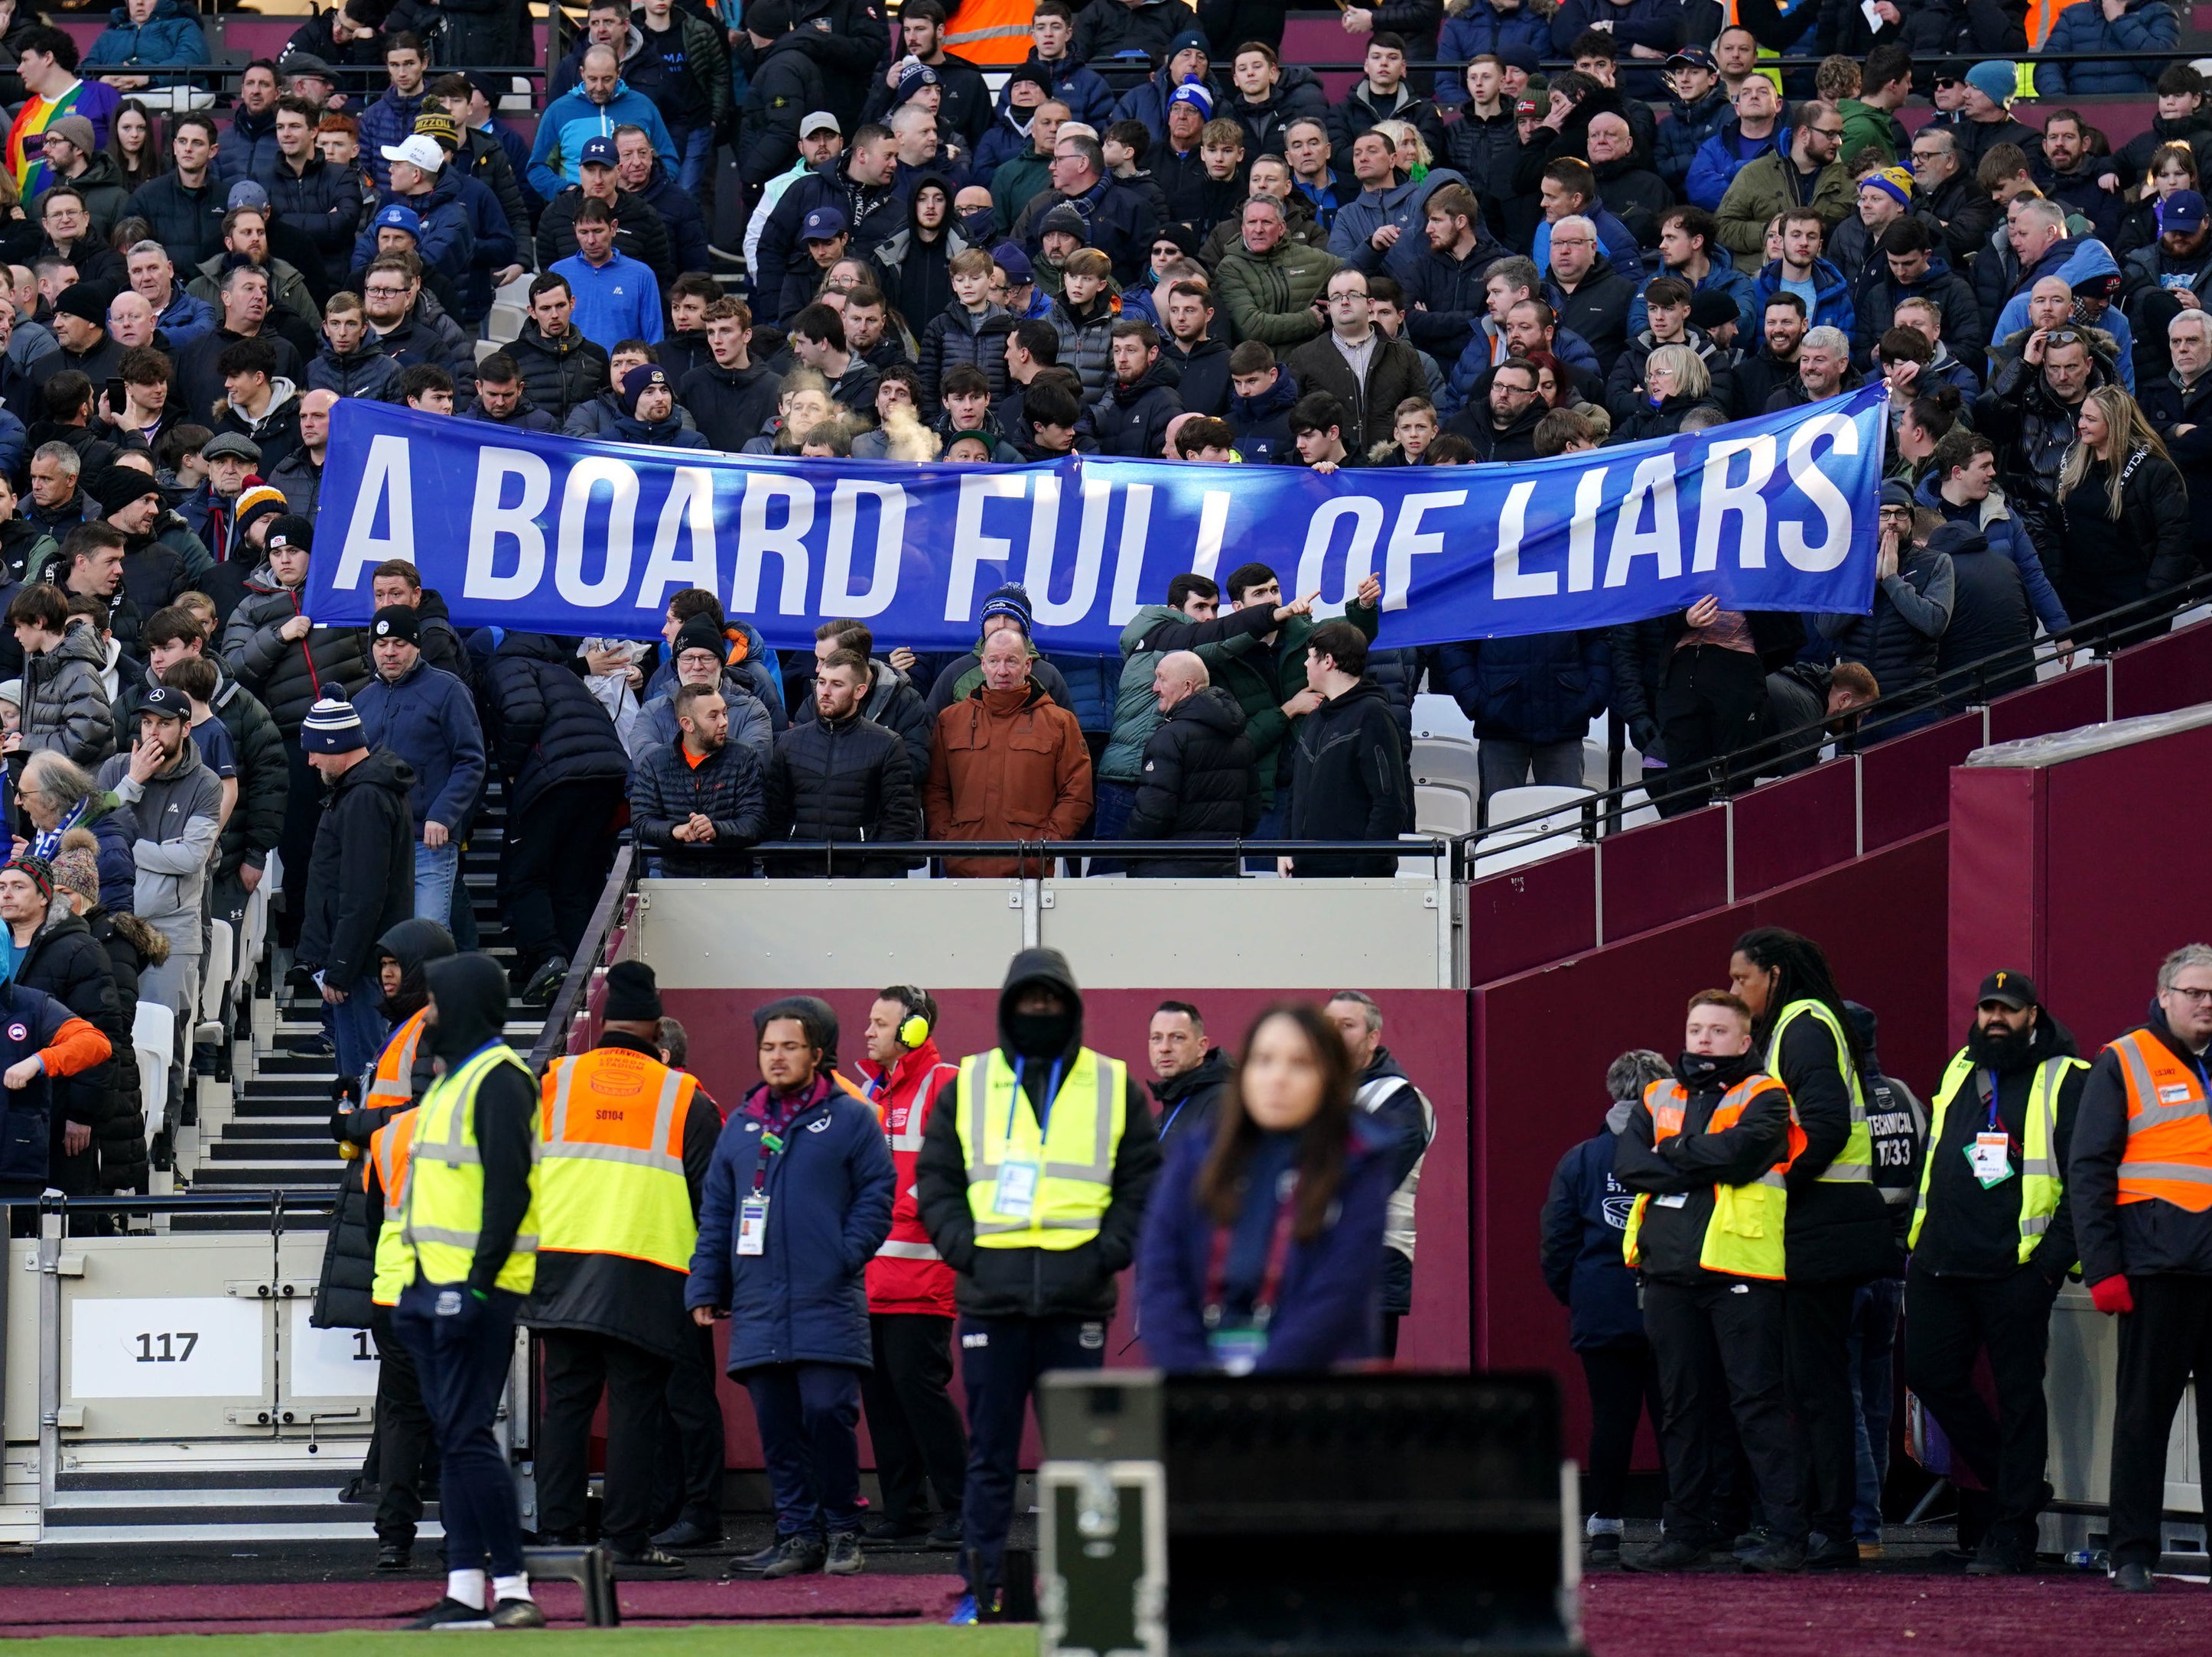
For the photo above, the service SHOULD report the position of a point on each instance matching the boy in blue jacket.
(797, 1202)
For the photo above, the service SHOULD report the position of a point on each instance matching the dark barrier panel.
(1532, 914)
(2058, 704)
(2075, 872)
(1425, 1029)
(2175, 671)
(1796, 827)
(1663, 872)
(1905, 785)
(1543, 1041)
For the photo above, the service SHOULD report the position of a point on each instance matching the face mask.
(1040, 1035)
(975, 226)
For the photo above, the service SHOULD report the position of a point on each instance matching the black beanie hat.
(633, 996)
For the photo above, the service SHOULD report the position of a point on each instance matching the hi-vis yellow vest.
(996, 1123)
(442, 1212)
(1854, 1163)
(2041, 1187)
(611, 1158)
(1745, 1236)
(390, 1156)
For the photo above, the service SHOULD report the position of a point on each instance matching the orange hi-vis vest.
(2169, 1154)
(1745, 1236)
(991, 33)
(390, 1149)
(394, 1081)
(610, 1159)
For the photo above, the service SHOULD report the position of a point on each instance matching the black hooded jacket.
(471, 993)
(1671, 1240)
(1188, 1099)
(1038, 1283)
(360, 876)
(343, 1294)
(1198, 780)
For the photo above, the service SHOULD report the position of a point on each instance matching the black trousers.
(1718, 1346)
(1230, 23)
(1818, 1317)
(577, 1367)
(912, 1420)
(1710, 703)
(2164, 1341)
(1624, 1383)
(689, 1480)
(552, 865)
(404, 1438)
(303, 811)
(1949, 1323)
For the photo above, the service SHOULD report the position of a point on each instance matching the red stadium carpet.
(309, 1608)
(1890, 1614)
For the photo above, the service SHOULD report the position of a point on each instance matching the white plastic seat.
(217, 970)
(1559, 807)
(153, 1037)
(1448, 762)
(1438, 715)
(1442, 809)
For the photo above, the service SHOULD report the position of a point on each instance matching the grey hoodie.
(174, 827)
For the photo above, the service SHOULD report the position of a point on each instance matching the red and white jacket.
(906, 1274)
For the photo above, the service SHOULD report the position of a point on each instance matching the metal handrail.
(1606, 807)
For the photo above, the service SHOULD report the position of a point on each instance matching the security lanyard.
(1271, 1280)
(1044, 1111)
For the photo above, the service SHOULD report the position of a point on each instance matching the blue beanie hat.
(1995, 80)
(331, 727)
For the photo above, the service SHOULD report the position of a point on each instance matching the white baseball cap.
(420, 149)
(820, 121)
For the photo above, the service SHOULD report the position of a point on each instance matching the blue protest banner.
(559, 535)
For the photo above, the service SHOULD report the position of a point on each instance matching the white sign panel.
(327, 1363)
(207, 1347)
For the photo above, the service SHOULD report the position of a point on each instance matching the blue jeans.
(808, 1416)
(1875, 1310)
(357, 1028)
(698, 147)
(462, 1358)
(436, 868)
(1109, 813)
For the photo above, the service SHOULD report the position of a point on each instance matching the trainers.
(361, 1490)
(752, 1564)
(688, 1533)
(1605, 1548)
(1994, 1558)
(1673, 1554)
(1781, 1557)
(517, 1613)
(545, 983)
(949, 1534)
(796, 1555)
(395, 1556)
(963, 1613)
(648, 1562)
(888, 1532)
(1840, 1554)
(844, 1556)
(2133, 1578)
(450, 1612)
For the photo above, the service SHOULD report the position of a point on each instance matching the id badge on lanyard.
(752, 1208)
(1015, 1195)
(1238, 1346)
(1991, 1155)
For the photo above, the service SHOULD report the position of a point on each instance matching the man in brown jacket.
(1359, 365)
(1008, 763)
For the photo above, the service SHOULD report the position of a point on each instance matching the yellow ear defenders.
(914, 1031)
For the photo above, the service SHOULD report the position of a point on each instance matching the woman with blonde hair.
(1675, 382)
(1414, 157)
(2122, 517)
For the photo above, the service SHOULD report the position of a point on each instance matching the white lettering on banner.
(1366, 515)
(386, 480)
(1654, 482)
(192, 1346)
(689, 505)
(583, 479)
(1581, 531)
(1044, 549)
(838, 598)
(1718, 497)
(1409, 541)
(488, 520)
(1816, 486)
(786, 542)
(1506, 580)
(1136, 526)
(970, 546)
(1213, 526)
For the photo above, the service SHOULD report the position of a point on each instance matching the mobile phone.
(116, 394)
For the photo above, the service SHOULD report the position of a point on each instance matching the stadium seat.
(153, 1037)
(1561, 807)
(1436, 715)
(1446, 761)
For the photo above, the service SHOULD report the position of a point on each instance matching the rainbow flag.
(95, 101)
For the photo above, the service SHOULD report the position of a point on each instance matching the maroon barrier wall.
(1426, 1029)
(2072, 874)
(1542, 1042)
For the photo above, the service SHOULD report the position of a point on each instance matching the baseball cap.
(2010, 989)
(1010, 259)
(1693, 57)
(167, 701)
(597, 152)
(396, 217)
(247, 193)
(823, 224)
(2182, 210)
(820, 121)
(419, 149)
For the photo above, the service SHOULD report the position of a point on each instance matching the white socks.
(1595, 1526)
(467, 1587)
(510, 1587)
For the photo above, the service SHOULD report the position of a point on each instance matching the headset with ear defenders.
(913, 1031)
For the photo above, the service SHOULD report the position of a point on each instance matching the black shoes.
(450, 1612)
(516, 1613)
(787, 1556)
(844, 1556)
(2132, 1578)
(395, 1556)
(1605, 1549)
(1995, 1559)
(545, 983)
(1781, 1558)
(1834, 1553)
(1673, 1554)
(688, 1533)
(361, 1490)
(949, 1535)
(647, 1564)
(888, 1532)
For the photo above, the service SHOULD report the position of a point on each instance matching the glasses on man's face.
(2196, 997)
(1828, 132)
(384, 293)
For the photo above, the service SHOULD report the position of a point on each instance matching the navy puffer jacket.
(1542, 688)
(542, 723)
